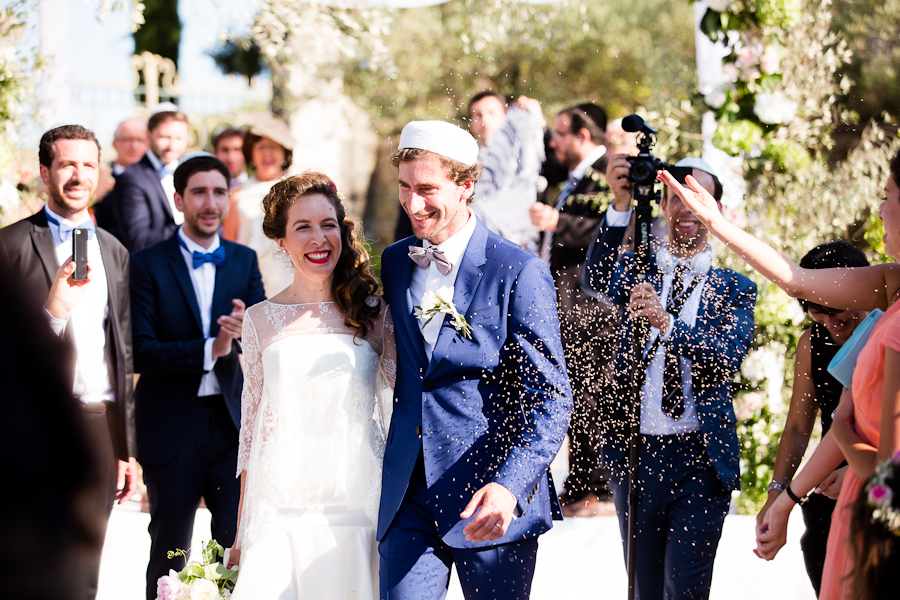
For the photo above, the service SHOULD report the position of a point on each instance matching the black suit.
(142, 212)
(586, 325)
(29, 249)
(186, 444)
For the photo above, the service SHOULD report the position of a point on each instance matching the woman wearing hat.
(268, 148)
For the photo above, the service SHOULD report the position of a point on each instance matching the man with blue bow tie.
(188, 296)
(142, 204)
(482, 399)
(701, 320)
(91, 316)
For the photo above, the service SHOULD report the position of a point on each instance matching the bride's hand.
(697, 198)
(234, 558)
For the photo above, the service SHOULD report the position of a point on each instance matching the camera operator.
(701, 327)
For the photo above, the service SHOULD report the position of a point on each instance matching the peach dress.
(868, 381)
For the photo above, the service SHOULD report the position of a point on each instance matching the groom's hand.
(497, 505)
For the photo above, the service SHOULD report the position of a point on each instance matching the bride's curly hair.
(353, 284)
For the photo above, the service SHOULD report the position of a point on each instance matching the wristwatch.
(776, 485)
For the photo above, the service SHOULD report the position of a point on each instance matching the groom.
(482, 402)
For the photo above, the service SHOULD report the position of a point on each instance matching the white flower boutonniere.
(440, 301)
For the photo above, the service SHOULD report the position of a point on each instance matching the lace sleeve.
(386, 378)
(252, 392)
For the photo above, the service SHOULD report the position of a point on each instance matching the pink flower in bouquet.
(169, 587)
(879, 494)
(204, 589)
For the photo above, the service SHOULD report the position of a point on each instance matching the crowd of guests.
(180, 248)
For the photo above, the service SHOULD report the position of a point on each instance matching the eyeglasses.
(559, 134)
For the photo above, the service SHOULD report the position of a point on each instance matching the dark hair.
(198, 164)
(353, 283)
(228, 132)
(251, 139)
(587, 116)
(64, 132)
(876, 550)
(457, 172)
(895, 167)
(831, 255)
(486, 94)
(164, 117)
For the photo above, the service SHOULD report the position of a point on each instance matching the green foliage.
(209, 568)
(161, 30)
(239, 56)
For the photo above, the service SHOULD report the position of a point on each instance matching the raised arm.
(863, 288)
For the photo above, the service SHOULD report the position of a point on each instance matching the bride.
(320, 368)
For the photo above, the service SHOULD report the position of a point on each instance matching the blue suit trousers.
(680, 518)
(415, 561)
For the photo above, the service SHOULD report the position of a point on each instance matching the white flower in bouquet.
(719, 5)
(169, 587)
(774, 108)
(204, 589)
(764, 363)
(717, 96)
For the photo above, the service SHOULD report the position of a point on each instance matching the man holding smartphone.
(92, 315)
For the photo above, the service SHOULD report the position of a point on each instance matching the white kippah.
(441, 138)
(695, 162)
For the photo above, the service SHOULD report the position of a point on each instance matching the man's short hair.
(487, 94)
(64, 132)
(164, 117)
(228, 132)
(198, 164)
(457, 172)
(587, 116)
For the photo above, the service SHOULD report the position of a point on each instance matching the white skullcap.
(188, 157)
(164, 107)
(695, 162)
(441, 138)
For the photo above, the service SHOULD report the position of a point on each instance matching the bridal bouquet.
(205, 580)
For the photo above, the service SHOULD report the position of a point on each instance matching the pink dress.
(868, 381)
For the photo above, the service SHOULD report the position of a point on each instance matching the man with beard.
(143, 200)
(701, 321)
(577, 141)
(91, 316)
(188, 295)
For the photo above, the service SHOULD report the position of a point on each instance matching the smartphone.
(80, 254)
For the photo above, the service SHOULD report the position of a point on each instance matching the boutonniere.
(438, 302)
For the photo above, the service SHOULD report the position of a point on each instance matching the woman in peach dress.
(866, 427)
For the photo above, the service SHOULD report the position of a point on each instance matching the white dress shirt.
(203, 279)
(653, 420)
(167, 179)
(86, 322)
(425, 279)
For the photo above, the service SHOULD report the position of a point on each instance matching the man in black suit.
(188, 295)
(577, 141)
(143, 200)
(92, 317)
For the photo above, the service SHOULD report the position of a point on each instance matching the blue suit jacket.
(716, 345)
(142, 211)
(491, 408)
(168, 340)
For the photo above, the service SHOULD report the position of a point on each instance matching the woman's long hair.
(352, 284)
(876, 549)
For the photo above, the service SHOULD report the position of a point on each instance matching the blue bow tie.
(65, 229)
(217, 257)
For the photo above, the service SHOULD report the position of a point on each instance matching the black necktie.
(673, 386)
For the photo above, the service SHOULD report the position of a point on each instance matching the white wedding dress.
(314, 415)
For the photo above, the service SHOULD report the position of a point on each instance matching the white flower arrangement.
(719, 5)
(774, 108)
(205, 580)
(439, 302)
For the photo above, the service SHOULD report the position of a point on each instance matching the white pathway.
(578, 558)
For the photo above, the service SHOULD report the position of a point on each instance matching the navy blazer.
(491, 408)
(716, 346)
(30, 251)
(168, 340)
(142, 211)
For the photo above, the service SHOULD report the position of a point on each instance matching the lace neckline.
(299, 303)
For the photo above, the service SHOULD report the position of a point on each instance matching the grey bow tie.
(424, 256)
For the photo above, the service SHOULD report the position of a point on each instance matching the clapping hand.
(230, 327)
(697, 198)
(66, 292)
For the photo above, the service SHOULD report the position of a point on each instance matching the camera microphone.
(634, 123)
